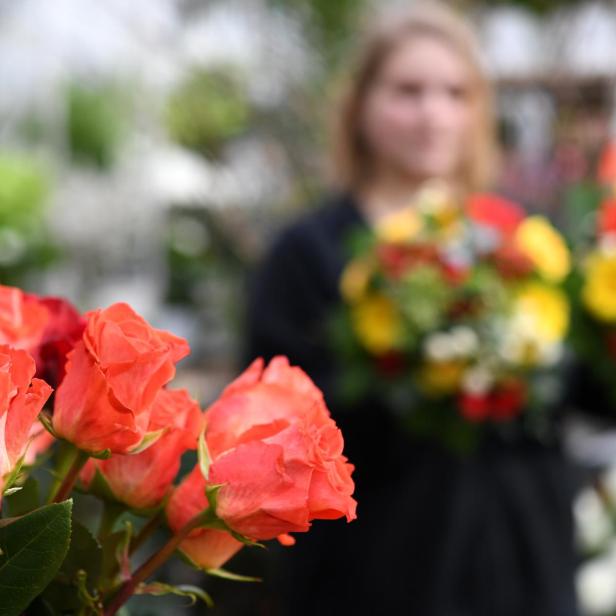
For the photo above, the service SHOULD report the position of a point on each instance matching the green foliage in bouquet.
(209, 108)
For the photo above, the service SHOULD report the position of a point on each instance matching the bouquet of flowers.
(268, 459)
(454, 313)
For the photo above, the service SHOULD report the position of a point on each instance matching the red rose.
(277, 454)
(64, 329)
(21, 400)
(142, 480)
(494, 211)
(113, 375)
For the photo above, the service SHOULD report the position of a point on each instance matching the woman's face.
(417, 115)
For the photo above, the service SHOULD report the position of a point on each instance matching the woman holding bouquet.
(438, 534)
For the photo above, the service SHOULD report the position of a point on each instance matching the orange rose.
(113, 375)
(22, 319)
(141, 481)
(21, 399)
(277, 454)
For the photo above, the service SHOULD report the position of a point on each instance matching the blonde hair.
(351, 156)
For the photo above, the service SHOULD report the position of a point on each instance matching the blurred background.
(150, 149)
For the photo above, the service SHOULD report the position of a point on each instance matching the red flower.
(391, 363)
(606, 217)
(511, 262)
(141, 481)
(502, 404)
(507, 401)
(397, 259)
(277, 454)
(494, 211)
(63, 330)
(113, 375)
(474, 407)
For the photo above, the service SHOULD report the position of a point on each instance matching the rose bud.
(276, 454)
(142, 480)
(21, 400)
(113, 375)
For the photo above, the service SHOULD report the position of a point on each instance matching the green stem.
(147, 530)
(66, 487)
(111, 512)
(127, 589)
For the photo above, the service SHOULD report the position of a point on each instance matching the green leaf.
(147, 441)
(47, 422)
(228, 575)
(158, 589)
(76, 581)
(33, 548)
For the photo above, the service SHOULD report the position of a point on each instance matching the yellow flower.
(599, 292)
(441, 377)
(545, 309)
(538, 324)
(399, 227)
(377, 323)
(355, 279)
(545, 247)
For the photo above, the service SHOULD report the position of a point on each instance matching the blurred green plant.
(24, 242)
(207, 110)
(329, 24)
(95, 123)
(538, 6)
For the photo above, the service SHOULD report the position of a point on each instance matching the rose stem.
(149, 566)
(66, 487)
(146, 531)
(111, 512)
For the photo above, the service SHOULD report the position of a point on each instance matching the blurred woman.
(436, 535)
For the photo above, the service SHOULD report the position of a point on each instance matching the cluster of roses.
(270, 455)
(458, 302)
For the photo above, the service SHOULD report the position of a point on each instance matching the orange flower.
(142, 480)
(277, 454)
(21, 399)
(113, 375)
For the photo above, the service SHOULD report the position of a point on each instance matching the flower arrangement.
(269, 458)
(455, 312)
